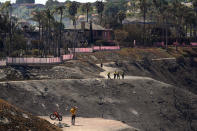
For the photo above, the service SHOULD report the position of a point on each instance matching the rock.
(2, 74)
(60, 125)
(4, 120)
(93, 58)
(13, 113)
(25, 116)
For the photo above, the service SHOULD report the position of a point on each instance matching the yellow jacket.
(73, 111)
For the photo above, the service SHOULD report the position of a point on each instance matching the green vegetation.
(147, 22)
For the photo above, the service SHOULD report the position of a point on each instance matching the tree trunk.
(87, 15)
(60, 37)
(49, 37)
(186, 28)
(144, 28)
(10, 43)
(39, 37)
(166, 34)
(101, 18)
(190, 31)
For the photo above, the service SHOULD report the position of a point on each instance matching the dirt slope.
(14, 119)
(144, 104)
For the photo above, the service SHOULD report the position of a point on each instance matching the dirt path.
(91, 124)
(107, 69)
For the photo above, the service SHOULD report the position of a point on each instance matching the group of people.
(116, 75)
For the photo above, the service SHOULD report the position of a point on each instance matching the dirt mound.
(12, 118)
(69, 70)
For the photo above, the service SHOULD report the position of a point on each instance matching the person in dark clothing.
(123, 75)
(115, 74)
(118, 75)
(101, 65)
(108, 74)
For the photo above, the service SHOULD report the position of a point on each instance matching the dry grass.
(139, 54)
(12, 118)
(183, 51)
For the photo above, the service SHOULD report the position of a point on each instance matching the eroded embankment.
(179, 72)
(143, 104)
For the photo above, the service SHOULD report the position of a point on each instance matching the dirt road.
(91, 124)
(107, 69)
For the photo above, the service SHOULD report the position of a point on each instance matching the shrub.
(35, 52)
(15, 53)
(120, 35)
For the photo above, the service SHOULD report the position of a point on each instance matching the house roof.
(188, 4)
(87, 26)
(136, 21)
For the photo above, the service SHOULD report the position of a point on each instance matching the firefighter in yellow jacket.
(73, 113)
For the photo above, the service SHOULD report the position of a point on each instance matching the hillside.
(12, 118)
(158, 93)
(137, 102)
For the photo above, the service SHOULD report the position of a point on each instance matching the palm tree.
(7, 8)
(4, 25)
(87, 7)
(163, 10)
(143, 8)
(60, 10)
(100, 8)
(47, 18)
(37, 16)
(73, 11)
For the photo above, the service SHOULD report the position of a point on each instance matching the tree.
(86, 8)
(7, 11)
(60, 10)
(121, 16)
(120, 35)
(49, 16)
(73, 11)
(143, 8)
(51, 4)
(37, 16)
(100, 8)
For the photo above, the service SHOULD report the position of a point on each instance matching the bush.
(35, 52)
(120, 35)
(15, 53)
(99, 42)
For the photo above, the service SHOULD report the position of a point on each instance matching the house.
(136, 21)
(25, 1)
(99, 33)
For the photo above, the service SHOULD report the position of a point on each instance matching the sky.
(44, 1)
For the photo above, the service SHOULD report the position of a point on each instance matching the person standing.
(134, 43)
(73, 114)
(123, 75)
(108, 74)
(101, 63)
(115, 74)
(118, 75)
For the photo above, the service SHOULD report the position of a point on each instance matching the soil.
(156, 94)
(12, 119)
